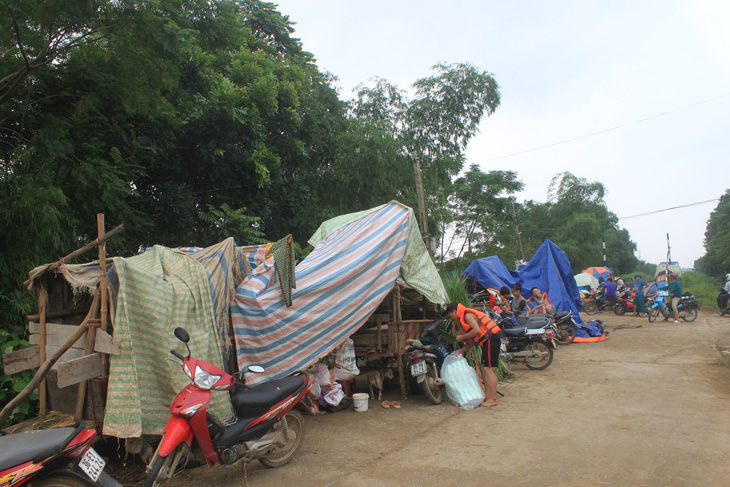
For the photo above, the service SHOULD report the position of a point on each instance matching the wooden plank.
(56, 334)
(79, 370)
(20, 360)
(105, 343)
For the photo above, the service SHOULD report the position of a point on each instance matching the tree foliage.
(576, 219)
(716, 261)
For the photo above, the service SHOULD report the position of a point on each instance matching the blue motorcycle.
(687, 309)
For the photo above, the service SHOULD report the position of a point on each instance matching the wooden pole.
(91, 335)
(55, 265)
(398, 340)
(42, 299)
(46, 366)
(520, 256)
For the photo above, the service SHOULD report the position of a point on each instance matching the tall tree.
(390, 130)
(482, 210)
(576, 219)
(716, 261)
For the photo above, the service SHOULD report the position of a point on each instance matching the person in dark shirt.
(674, 288)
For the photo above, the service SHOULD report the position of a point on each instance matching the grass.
(703, 287)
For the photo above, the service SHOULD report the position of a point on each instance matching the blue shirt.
(639, 287)
(610, 290)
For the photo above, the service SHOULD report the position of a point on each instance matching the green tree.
(576, 219)
(716, 261)
(482, 212)
(388, 130)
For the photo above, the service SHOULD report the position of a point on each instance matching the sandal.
(385, 404)
(395, 404)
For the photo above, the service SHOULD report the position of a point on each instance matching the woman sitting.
(542, 302)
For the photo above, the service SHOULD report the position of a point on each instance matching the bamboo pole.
(91, 335)
(46, 366)
(42, 299)
(398, 341)
(55, 265)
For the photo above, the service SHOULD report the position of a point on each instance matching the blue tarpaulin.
(549, 269)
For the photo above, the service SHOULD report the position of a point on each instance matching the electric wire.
(669, 209)
(602, 131)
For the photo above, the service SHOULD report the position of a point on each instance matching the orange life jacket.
(487, 326)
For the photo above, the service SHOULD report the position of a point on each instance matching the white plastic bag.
(343, 358)
(462, 382)
(335, 395)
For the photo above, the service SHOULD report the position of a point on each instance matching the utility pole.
(520, 256)
(422, 220)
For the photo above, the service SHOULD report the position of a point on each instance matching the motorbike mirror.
(256, 369)
(182, 335)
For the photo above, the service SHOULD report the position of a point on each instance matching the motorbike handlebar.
(177, 354)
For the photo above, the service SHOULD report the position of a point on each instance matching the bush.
(704, 287)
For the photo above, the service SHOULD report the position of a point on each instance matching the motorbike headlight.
(203, 379)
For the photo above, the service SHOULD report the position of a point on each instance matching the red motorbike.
(624, 303)
(60, 457)
(265, 426)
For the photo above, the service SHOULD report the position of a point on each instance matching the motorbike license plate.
(92, 464)
(534, 331)
(419, 368)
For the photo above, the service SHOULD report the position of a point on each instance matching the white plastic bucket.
(360, 400)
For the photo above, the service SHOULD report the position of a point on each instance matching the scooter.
(723, 302)
(687, 309)
(597, 302)
(425, 357)
(533, 346)
(624, 303)
(265, 427)
(60, 457)
(562, 324)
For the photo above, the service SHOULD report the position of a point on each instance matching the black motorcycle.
(562, 323)
(532, 343)
(425, 357)
(723, 303)
(598, 302)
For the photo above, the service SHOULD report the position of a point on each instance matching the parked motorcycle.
(561, 323)
(425, 357)
(723, 302)
(597, 302)
(60, 457)
(533, 346)
(624, 303)
(687, 309)
(265, 427)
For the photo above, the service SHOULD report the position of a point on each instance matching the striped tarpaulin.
(353, 267)
(158, 291)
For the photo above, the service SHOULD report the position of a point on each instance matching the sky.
(633, 94)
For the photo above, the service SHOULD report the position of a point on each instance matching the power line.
(668, 209)
(602, 131)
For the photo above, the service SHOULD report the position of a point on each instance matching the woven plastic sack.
(462, 382)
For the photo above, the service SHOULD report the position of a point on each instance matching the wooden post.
(42, 299)
(45, 366)
(399, 345)
(55, 265)
(91, 335)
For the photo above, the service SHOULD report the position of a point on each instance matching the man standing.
(639, 286)
(674, 288)
(481, 330)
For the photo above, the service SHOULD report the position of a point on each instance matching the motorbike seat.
(515, 332)
(561, 314)
(537, 321)
(256, 401)
(22, 447)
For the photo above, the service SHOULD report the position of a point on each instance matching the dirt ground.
(649, 406)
